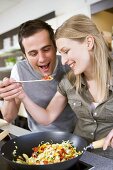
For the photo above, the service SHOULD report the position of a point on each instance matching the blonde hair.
(78, 27)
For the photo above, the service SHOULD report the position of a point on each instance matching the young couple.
(87, 87)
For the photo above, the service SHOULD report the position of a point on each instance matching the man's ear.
(90, 42)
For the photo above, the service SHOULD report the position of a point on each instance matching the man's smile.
(44, 67)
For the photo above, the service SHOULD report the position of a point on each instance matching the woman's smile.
(72, 65)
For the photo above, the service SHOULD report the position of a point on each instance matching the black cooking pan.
(27, 142)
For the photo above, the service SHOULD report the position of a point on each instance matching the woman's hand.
(9, 89)
(108, 140)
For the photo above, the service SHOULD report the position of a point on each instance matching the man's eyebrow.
(31, 51)
(46, 46)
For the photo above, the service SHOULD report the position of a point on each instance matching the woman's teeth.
(72, 65)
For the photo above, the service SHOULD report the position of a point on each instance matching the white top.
(14, 73)
(95, 104)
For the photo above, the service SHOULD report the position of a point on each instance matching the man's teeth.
(44, 66)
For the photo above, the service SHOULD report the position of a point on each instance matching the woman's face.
(75, 54)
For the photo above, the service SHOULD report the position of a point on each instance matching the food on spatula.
(46, 77)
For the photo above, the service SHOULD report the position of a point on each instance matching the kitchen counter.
(14, 130)
(99, 162)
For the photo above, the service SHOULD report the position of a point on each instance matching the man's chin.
(45, 73)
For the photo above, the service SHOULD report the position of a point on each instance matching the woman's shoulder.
(65, 82)
(64, 78)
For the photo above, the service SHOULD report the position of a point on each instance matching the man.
(36, 39)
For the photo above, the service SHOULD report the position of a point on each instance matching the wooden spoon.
(96, 144)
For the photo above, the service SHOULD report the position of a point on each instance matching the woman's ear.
(90, 42)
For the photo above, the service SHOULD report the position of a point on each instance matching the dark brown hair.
(31, 27)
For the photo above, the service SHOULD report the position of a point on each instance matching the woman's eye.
(65, 52)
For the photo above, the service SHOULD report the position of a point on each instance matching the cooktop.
(81, 166)
(78, 166)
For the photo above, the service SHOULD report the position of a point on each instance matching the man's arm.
(10, 110)
(9, 92)
(41, 115)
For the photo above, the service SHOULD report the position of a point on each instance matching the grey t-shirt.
(42, 92)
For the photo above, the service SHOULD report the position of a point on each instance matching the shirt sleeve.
(14, 73)
(61, 87)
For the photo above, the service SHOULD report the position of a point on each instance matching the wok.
(27, 142)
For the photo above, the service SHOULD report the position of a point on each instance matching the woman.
(83, 48)
(88, 86)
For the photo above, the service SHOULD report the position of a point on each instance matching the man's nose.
(41, 57)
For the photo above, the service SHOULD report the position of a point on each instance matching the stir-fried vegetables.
(48, 153)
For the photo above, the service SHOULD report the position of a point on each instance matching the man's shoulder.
(22, 63)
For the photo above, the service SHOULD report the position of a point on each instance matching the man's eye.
(46, 49)
(33, 54)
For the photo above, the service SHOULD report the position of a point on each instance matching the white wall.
(31, 9)
(57, 21)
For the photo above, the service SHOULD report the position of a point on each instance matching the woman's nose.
(64, 60)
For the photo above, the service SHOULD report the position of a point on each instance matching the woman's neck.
(93, 89)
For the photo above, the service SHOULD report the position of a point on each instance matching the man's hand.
(108, 140)
(9, 89)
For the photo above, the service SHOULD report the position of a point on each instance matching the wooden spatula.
(4, 134)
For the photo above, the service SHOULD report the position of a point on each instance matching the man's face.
(40, 52)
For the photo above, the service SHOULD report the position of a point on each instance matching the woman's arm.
(108, 140)
(48, 115)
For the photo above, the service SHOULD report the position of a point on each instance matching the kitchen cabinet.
(102, 15)
(101, 5)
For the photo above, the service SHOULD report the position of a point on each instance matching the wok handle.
(98, 143)
(4, 134)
